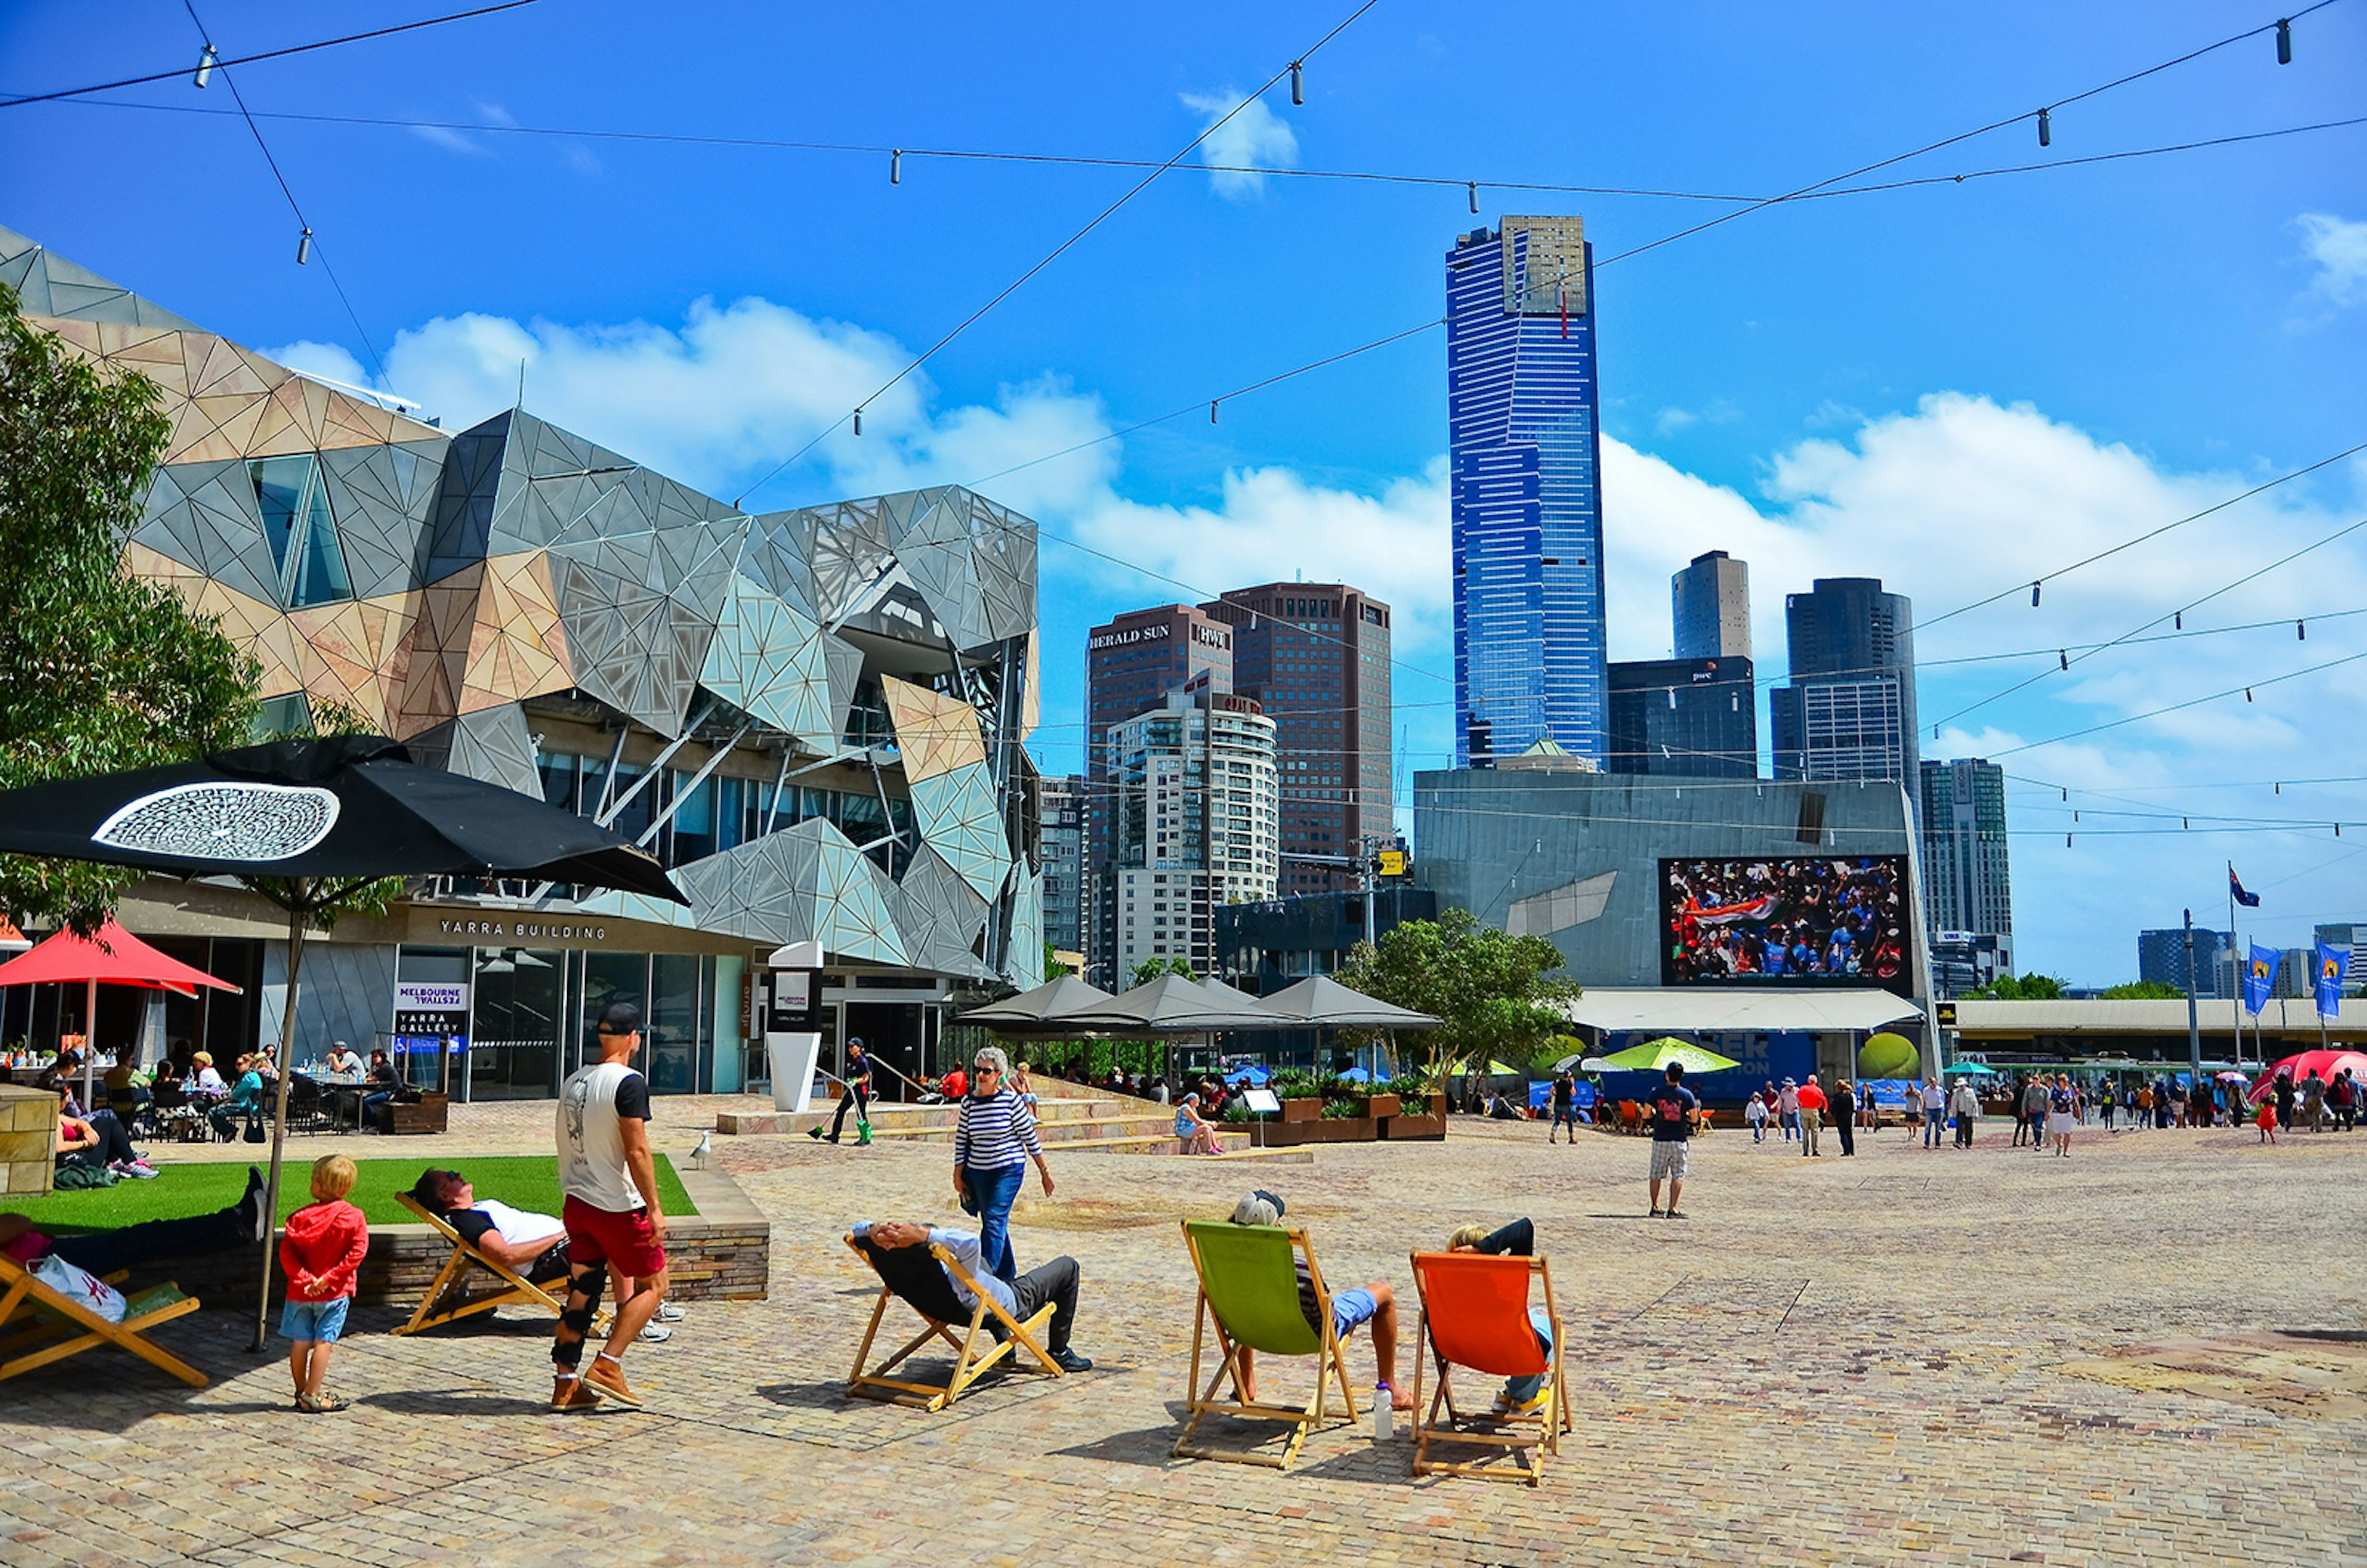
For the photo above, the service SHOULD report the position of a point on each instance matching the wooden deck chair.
(917, 1276)
(1474, 1313)
(36, 1314)
(1248, 1295)
(449, 1299)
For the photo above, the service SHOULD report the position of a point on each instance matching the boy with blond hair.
(320, 1251)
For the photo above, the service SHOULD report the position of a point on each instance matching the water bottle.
(1383, 1416)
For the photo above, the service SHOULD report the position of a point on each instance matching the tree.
(1054, 967)
(2142, 991)
(1498, 993)
(2021, 989)
(99, 670)
(1150, 969)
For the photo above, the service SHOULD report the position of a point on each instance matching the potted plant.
(1417, 1114)
(1344, 1120)
(1301, 1094)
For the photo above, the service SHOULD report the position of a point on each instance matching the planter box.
(427, 1116)
(1378, 1105)
(1290, 1134)
(1346, 1130)
(1410, 1127)
(1308, 1110)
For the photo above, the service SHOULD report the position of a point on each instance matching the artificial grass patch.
(525, 1181)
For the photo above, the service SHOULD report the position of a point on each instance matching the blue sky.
(1955, 386)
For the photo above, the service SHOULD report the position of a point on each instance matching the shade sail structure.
(1046, 1007)
(346, 808)
(1176, 1004)
(1324, 1003)
(112, 957)
(1693, 1009)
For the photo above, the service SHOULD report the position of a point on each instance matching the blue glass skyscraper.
(1520, 408)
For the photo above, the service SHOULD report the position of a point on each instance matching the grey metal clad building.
(1063, 861)
(1316, 656)
(1849, 709)
(1710, 603)
(1577, 857)
(1684, 718)
(1969, 887)
(2161, 959)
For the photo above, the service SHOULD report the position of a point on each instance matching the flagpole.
(2237, 956)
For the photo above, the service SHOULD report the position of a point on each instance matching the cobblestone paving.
(2149, 1353)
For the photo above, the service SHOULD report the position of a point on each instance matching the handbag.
(253, 1133)
(80, 1286)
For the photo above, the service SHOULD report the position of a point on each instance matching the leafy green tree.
(100, 671)
(2142, 991)
(2021, 989)
(1150, 969)
(1053, 967)
(1499, 994)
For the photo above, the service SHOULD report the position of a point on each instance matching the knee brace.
(575, 1322)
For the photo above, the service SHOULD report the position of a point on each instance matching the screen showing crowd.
(1821, 922)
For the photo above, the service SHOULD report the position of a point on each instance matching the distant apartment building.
(1967, 887)
(1847, 710)
(1710, 603)
(1194, 819)
(1316, 658)
(1683, 718)
(2161, 960)
(1063, 861)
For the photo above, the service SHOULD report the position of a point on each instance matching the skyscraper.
(1192, 789)
(1689, 718)
(2161, 958)
(1967, 889)
(1063, 861)
(1527, 498)
(1710, 602)
(1849, 709)
(1316, 656)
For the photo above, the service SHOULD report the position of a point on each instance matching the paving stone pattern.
(2149, 1353)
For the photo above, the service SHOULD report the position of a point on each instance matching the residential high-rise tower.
(1527, 496)
(1192, 817)
(1849, 709)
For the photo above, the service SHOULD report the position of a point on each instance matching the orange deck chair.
(1474, 1313)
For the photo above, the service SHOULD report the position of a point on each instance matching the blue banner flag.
(2261, 977)
(2236, 891)
(2333, 963)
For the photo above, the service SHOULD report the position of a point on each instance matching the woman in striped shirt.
(992, 1143)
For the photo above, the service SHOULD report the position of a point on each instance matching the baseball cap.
(1258, 1208)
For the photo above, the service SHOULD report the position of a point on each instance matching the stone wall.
(29, 1140)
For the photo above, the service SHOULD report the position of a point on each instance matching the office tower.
(1192, 823)
(1967, 890)
(2161, 959)
(1849, 710)
(1316, 656)
(1527, 500)
(1710, 602)
(1130, 665)
(1688, 717)
(1062, 861)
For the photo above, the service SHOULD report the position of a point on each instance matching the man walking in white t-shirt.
(612, 1213)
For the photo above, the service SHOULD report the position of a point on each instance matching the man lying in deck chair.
(1374, 1303)
(1054, 1282)
(532, 1246)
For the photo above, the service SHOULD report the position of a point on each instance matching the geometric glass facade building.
(1527, 507)
(1967, 881)
(1849, 709)
(817, 717)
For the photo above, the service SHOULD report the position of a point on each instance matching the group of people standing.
(1803, 1108)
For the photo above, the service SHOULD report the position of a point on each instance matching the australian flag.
(2236, 891)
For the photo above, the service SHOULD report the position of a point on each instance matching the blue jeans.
(994, 1191)
(1520, 1391)
(1932, 1122)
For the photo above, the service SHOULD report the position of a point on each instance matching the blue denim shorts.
(1350, 1308)
(321, 1321)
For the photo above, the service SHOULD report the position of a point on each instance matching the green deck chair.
(1248, 1295)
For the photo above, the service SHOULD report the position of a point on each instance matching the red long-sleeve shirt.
(321, 1249)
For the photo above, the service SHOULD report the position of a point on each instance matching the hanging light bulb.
(1474, 189)
(2075, 815)
(2046, 129)
(2064, 655)
(205, 63)
(2184, 824)
(2301, 631)
(1212, 410)
(2066, 841)
(2285, 41)
(2279, 789)
(304, 247)
(858, 421)
(2034, 593)
(2248, 694)
(895, 165)
(1298, 82)
(2066, 796)
(2178, 620)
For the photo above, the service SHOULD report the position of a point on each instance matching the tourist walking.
(1966, 1107)
(1935, 1112)
(1754, 1112)
(2266, 1120)
(1812, 1101)
(992, 1143)
(2034, 1097)
(1845, 1114)
(1673, 1109)
(2312, 1101)
(2284, 1095)
(1564, 1106)
(1914, 1108)
(612, 1213)
(1787, 1109)
(2062, 1114)
(2342, 1096)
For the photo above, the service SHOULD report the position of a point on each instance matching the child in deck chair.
(1023, 1298)
(1374, 1303)
(1523, 1395)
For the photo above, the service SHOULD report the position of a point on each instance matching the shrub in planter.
(1342, 1108)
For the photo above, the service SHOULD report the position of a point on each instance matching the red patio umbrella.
(2326, 1064)
(113, 956)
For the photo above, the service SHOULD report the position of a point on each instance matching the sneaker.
(672, 1312)
(1677, 1214)
(1537, 1403)
(656, 1334)
(139, 1170)
(569, 1393)
(249, 1207)
(608, 1378)
(1068, 1360)
(1656, 1213)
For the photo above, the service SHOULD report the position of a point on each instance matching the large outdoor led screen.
(1759, 921)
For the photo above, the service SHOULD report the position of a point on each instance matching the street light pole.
(2193, 1020)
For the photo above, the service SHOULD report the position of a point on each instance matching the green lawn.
(528, 1182)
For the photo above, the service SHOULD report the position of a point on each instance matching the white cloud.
(2339, 247)
(449, 139)
(1254, 139)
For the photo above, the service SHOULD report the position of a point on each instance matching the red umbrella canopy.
(2324, 1063)
(114, 957)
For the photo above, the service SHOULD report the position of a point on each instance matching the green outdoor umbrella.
(1654, 1055)
(1982, 1068)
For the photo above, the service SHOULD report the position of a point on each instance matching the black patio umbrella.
(307, 823)
(1037, 1011)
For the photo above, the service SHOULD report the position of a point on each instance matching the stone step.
(762, 1118)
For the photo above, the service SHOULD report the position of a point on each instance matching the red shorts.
(621, 1241)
